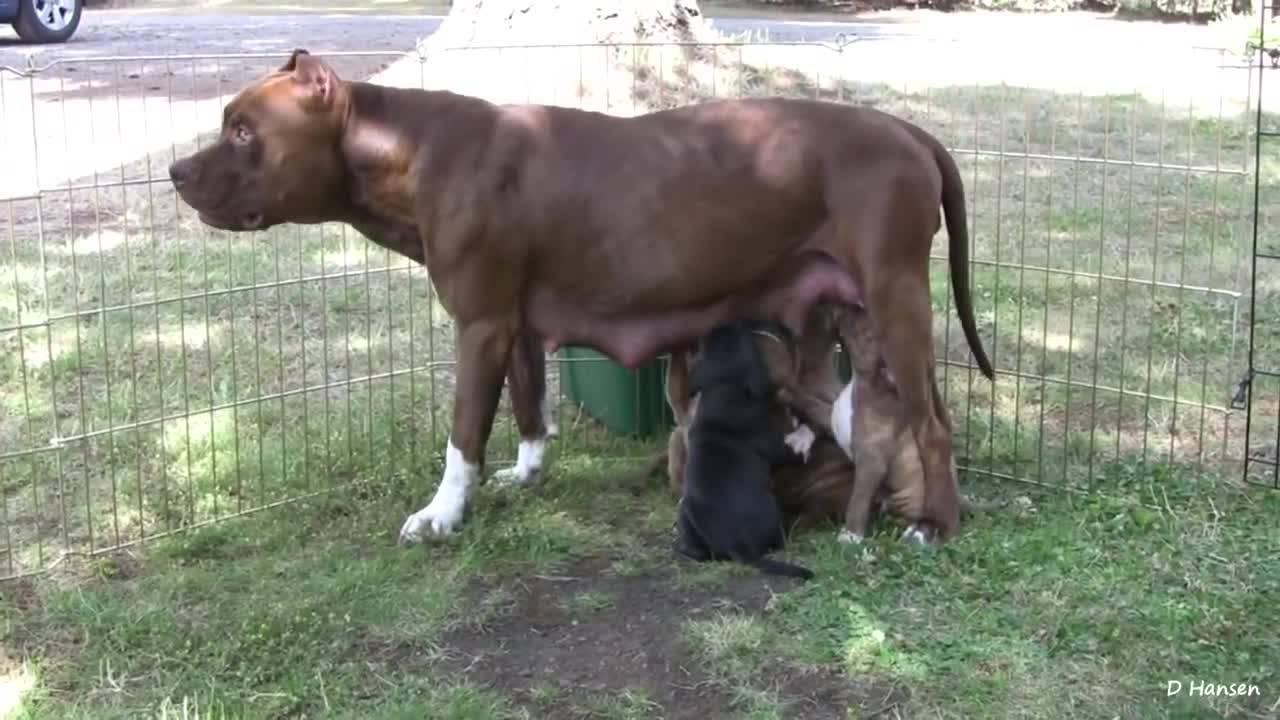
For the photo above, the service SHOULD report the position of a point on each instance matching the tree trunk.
(617, 56)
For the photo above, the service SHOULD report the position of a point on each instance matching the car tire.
(48, 21)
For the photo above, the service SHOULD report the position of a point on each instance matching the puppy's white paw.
(917, 534)
(849, 537)
(801, 440)
(528, 467)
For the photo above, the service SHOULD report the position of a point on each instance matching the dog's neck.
(378, 192)
(387, 162)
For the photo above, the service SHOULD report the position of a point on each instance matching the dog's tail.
(778, 567)
(958, 250)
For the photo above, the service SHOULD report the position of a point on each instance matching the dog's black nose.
(180, 172)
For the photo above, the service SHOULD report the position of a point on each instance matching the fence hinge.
(1242, 391)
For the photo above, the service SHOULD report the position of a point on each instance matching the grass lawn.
(564, 601)
(155, 375)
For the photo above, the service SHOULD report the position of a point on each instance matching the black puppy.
(728, 510)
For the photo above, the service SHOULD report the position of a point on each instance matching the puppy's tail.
(659, 460)
(778, 567)
(636, 484)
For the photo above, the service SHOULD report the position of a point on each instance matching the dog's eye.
(240, 134)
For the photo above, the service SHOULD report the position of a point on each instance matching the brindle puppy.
(867, 422)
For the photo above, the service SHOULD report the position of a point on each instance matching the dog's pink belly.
(632, 339)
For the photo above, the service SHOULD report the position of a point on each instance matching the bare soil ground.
(562, 641)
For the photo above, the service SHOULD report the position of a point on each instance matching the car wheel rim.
(54, 14)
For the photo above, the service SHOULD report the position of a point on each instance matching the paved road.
(138, 104)
(88, 115)
(111, 33)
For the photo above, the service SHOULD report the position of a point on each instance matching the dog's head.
(778, 349)
(277, 158)
(730, 356)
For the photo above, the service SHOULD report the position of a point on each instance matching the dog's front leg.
(483, 351)
(811, 412)
(527, 383)
(871, 468)
(808, 408)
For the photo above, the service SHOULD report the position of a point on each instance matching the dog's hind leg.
(483, 350)
(527, 384)
(901, 315)
(894, 222)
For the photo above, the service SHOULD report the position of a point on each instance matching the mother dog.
(542, 226)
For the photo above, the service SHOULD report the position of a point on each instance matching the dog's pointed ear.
(314, 77)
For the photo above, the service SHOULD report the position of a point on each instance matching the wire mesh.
(158, 375)
(1258, 392)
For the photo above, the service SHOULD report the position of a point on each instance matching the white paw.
(801, 441)
(916, 534)
(433, 521)
(516, 475)
(528, 465)
(849, 537)
(444, 512)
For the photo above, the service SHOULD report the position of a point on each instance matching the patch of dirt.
(22, 594)
(632, 640)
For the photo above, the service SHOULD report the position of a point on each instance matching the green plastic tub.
(628, 402)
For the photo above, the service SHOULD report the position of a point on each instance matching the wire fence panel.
(156, 374)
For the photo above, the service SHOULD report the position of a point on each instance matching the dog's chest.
(842, 419)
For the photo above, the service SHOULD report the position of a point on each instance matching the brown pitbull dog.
(544, 226)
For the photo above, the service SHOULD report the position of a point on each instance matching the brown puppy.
(866, 421)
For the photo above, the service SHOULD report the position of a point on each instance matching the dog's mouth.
(240, 223)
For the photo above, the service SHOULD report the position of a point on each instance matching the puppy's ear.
(315, 79)
(292, 62)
